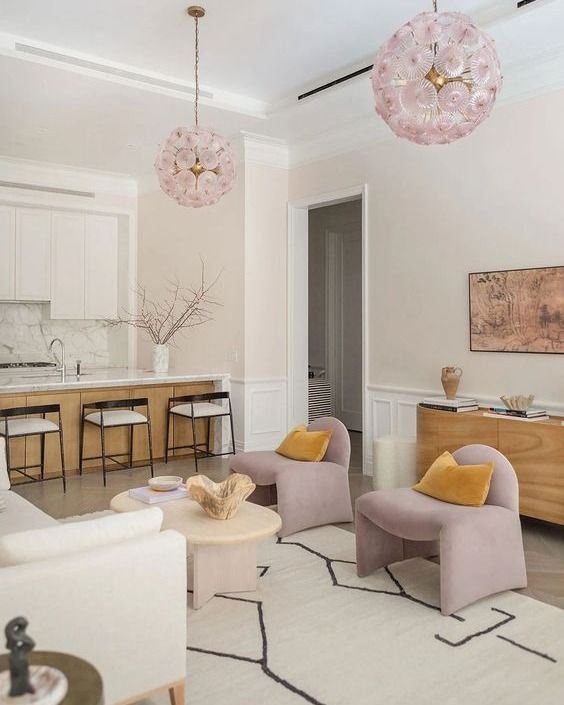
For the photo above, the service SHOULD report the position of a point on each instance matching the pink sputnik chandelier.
(195, 165)
(437, 78)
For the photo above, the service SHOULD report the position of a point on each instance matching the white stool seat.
(116, 417)
(25, 427)
(201, 410)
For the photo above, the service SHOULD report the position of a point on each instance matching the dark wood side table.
(85, 683)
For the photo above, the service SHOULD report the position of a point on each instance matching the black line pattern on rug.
(263, 661)
(526, 648)
(508, 618)
(402, 592)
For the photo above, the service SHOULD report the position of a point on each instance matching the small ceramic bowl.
(165, 483)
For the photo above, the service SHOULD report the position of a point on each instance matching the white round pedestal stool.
(394, 462)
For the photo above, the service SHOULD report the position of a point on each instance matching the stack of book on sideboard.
(530, 414)
(454, 405)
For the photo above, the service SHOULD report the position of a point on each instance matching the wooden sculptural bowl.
(220, 500)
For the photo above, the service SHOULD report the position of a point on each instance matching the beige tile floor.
(544, 543)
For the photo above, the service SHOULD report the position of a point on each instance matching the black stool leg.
(208, 438)
(42, 451)
(7, 437)
(194, 447)
(103, 442)
(62, 444)
(167, 435)
(131, 446)
(150, 439)
(81, 443)
(232, 431)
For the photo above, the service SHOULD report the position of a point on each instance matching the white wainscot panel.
(260, 413)
(406, 418)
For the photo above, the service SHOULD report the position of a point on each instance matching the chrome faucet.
(61, 362)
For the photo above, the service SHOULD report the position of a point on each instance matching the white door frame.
(297, 331)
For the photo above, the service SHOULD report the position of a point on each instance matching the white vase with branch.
(182, 308)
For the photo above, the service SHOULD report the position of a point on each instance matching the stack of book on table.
(149, 496)
(454, 405)
(530, 414)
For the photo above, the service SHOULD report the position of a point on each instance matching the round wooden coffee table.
(224, 552)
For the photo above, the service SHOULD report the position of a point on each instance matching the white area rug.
(316, 633)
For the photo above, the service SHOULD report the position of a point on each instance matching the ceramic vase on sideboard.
(450, 378)
(160, 358)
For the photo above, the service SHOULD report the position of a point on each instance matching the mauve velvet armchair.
(307, 494)
(480, 548)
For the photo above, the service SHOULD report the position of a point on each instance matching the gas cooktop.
(24, 365)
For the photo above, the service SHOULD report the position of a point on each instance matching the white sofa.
(117, 599)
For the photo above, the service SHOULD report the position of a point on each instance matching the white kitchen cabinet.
(33, 254)
(67, 265)
(101, 267)
(7, 253)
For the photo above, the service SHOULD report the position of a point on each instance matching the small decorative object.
(519, 402)
(196, 166)
(165, 483)
(450, 378)
(182, 308)
(437, 78)
(24, 684)
(518, 310)
(220, 500)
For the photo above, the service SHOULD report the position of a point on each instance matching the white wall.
(491, 201)
(172, 239)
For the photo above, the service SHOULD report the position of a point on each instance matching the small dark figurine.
(20, 645)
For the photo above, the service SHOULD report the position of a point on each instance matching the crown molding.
(265, 151)
(27, 171)
(538, 75)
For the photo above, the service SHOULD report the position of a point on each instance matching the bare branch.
(182, 308)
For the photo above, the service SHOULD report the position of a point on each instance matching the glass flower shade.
(437, 78)
(195, 166)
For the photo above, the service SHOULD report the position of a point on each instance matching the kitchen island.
(31, 387)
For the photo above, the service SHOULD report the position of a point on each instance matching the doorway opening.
(327, 313)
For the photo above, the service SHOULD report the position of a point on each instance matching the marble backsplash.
(26, 331)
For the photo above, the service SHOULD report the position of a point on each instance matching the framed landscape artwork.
(518, 310)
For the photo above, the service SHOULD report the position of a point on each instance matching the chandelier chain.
(196, 71)
(435, 5)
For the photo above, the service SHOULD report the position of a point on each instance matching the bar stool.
(199, 406)
(115, 414)
(11, 427)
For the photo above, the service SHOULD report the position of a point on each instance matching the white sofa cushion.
(64, 539)
(4, 477)
(21, 515)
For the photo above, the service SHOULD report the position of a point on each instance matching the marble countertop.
(31, 380)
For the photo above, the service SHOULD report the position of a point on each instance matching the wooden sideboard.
(535, 449)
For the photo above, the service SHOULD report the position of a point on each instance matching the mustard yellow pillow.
(457, 484)
(301, 444)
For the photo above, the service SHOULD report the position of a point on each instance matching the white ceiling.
(264, 51)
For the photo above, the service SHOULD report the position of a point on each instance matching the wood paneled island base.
(71, 400)
(534, 448)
